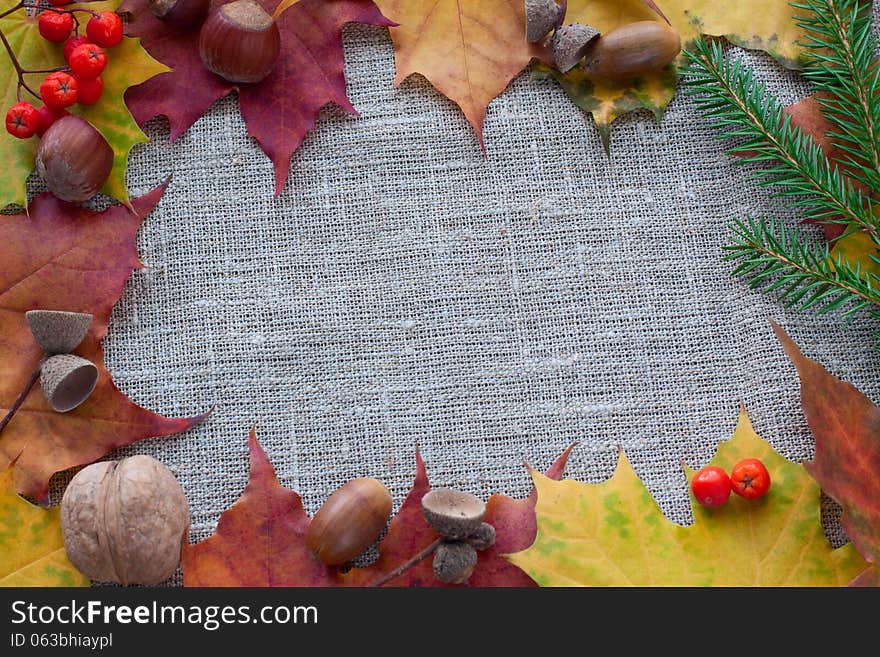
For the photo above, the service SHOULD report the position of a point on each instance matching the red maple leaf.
(260, 540)
(278, 111)
(59, 256)
(846, 426)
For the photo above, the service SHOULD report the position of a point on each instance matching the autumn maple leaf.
(767, 25)
(279, 110)
(128, 65)
(261, 539)
(469, 51)
(614, 534)
(31, 547)
(63, 257)
(846, 426)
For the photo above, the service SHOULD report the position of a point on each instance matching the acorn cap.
(454, 562)
(542, 16)
(453, 514)
(570, 44)
(56, 331)
(483, 538)
(67, 381)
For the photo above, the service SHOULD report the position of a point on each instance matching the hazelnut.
(181, 14)
(240, 42)
(349, 521)
(124, 521)
(74, 159)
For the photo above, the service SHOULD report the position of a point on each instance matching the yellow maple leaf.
(31, 548)
(469, 51)
(614, 534)
(856, 249)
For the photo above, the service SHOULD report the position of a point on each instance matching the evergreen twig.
(841, 62)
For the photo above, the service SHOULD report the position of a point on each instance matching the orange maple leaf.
(469, 51)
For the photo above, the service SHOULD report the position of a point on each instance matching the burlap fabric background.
(406, 289)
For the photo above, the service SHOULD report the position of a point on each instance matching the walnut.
(124, 521)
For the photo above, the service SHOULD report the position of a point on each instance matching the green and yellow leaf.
(856, 249)
(31, 549)
(129, 64)
(614, 534)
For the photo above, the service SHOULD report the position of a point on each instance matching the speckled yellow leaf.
(469, 51)
(756, 24)
(128, 65)
(606, 100)
(857, 248)
(614, 534)
(31, 550)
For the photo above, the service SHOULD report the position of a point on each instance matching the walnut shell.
(124, 521)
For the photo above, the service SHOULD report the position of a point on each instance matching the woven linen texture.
(406, 289)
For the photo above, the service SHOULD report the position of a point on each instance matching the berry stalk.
(409, 563)
(19, 71)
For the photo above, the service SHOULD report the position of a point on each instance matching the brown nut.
(453, 514)
(454, 562)
(74, 159)
(240, 42)
(124, 521)
(349, 521)
(632, 50)
(181, 14)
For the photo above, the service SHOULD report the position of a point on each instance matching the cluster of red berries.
(748, 478)
(80, 82)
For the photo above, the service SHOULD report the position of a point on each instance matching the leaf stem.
(23, 394)
(406, 565)
(58, 10)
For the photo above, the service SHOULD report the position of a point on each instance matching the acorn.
(74, 159)
(56, 331)
(349, 521)
(483, 537)
(632, 50)
(570, 43)
(240, 42)
(181, 14)
(542, 16)
(454, 562)
(453, 514)
(67, 381)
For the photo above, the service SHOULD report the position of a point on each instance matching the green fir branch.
(842, 64)
(802, 276)
(741, 107)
